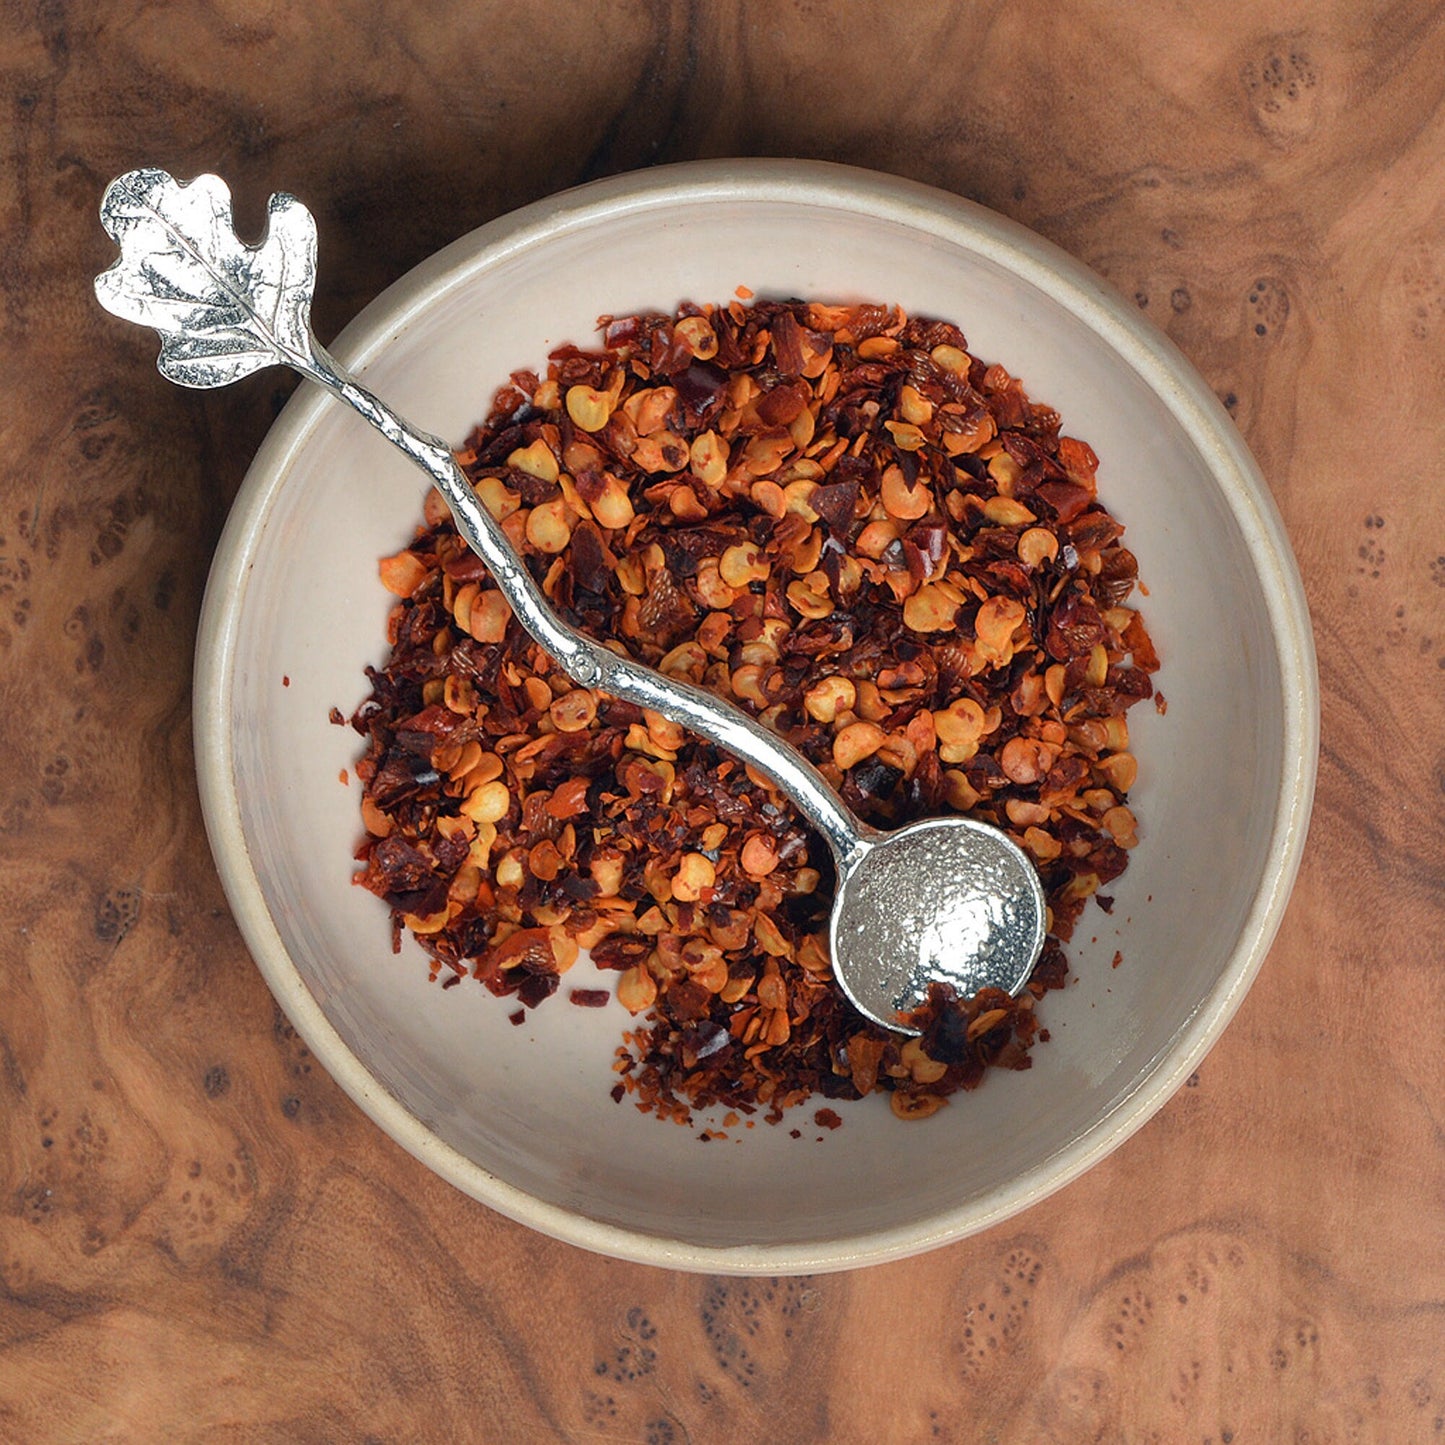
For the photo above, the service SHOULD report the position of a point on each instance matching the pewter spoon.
(947, 900)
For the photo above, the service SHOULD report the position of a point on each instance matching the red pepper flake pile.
(839, 520)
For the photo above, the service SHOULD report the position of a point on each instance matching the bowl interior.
(521, 1116)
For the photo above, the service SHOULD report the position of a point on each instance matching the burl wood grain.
(201, 1239)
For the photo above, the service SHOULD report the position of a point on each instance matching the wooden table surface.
(201, 1238)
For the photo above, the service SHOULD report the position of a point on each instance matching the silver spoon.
(946, 900)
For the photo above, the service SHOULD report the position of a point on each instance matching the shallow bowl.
(521, 1118)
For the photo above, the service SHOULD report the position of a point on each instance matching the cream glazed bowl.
(522, 1118)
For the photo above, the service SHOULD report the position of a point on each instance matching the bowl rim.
(1070, 284)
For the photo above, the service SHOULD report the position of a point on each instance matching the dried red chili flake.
(843, 522)
(589, 997)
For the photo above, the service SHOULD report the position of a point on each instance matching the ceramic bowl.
(521, 1118)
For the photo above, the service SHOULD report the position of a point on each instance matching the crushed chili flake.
(590, 997)
(841, 521)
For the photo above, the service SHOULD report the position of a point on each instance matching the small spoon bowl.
(944, 900)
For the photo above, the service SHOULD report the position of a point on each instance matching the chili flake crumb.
(344, 778)
(1118, 959)
(518, 1018)
(828, 1119)
(841, 521)
(590, 997)
(285, 680)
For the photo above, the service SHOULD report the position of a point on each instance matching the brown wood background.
(201, 1239)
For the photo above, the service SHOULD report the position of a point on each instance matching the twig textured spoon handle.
(224, 309)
